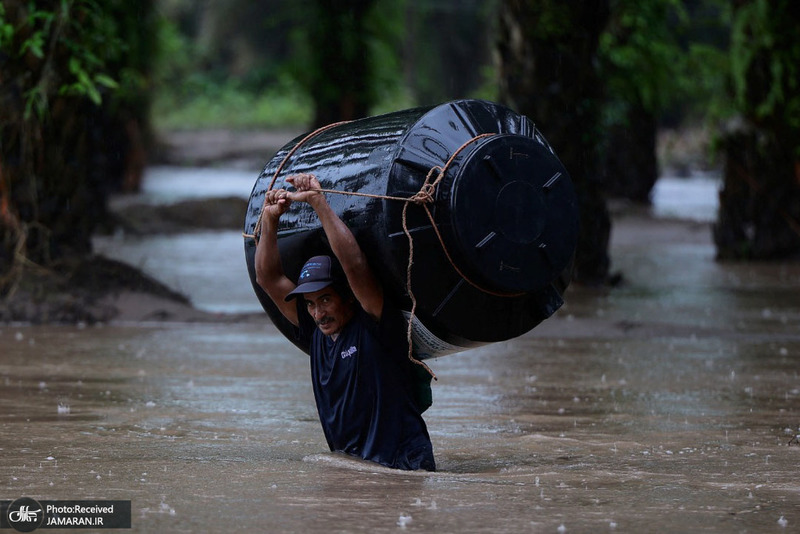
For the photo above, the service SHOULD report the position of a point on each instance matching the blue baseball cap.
(316, 274)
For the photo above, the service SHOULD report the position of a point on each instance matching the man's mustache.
(325, 320)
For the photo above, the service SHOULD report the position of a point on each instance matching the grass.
(206, 105)
(230, 108)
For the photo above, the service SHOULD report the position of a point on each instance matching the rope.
(423, 197)
(257, 228)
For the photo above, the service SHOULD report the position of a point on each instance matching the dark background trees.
(547, 52)
(73, 122)
(759, 215)
(601, 79)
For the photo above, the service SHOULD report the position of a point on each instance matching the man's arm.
(269, 270)
(362, 280)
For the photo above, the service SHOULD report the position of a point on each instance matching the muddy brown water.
(670, 404)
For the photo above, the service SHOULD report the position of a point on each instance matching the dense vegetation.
(73, 127)
(759, 216)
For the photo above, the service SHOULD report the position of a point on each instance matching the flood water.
(670, 404)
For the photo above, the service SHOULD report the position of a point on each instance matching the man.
(362, 379)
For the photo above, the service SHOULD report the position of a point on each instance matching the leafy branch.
(81, 35)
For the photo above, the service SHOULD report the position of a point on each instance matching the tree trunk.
(631, 166)
(759, 213)
(62, 153)
(547, 53)
(340, 74)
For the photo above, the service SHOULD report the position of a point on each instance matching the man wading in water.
(364, 384)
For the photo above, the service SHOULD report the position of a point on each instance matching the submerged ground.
(668, 404)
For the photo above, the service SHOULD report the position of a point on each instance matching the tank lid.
(513, 215)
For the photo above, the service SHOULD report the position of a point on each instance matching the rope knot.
(424, 195)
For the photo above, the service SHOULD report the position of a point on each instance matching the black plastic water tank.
(505, 210)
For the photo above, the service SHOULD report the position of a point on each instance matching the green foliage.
(84, 35)
(642, 49)
(221, 54)
(642, 60)
(489, 88)
(444, 49)
(192, 91)
(176, 60)
(6, 29)
(230, 105)
(705, 82)
(73, 105)
(668, 56)
(765, 62)
(386, 39)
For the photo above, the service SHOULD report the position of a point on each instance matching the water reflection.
(693, 198)
(199, 423)
(167, 184)
(208, 267)
(665, 405)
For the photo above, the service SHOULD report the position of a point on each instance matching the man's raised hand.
(276, 202)
(307, 188)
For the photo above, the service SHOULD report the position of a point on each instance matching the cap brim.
(309, 287)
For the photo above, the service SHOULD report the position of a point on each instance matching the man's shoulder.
(390, 330)
(391, 317)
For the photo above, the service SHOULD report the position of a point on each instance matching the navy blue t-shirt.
(363, 386)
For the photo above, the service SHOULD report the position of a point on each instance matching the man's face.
(329, 310)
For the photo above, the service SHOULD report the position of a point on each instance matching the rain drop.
(403, 520)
